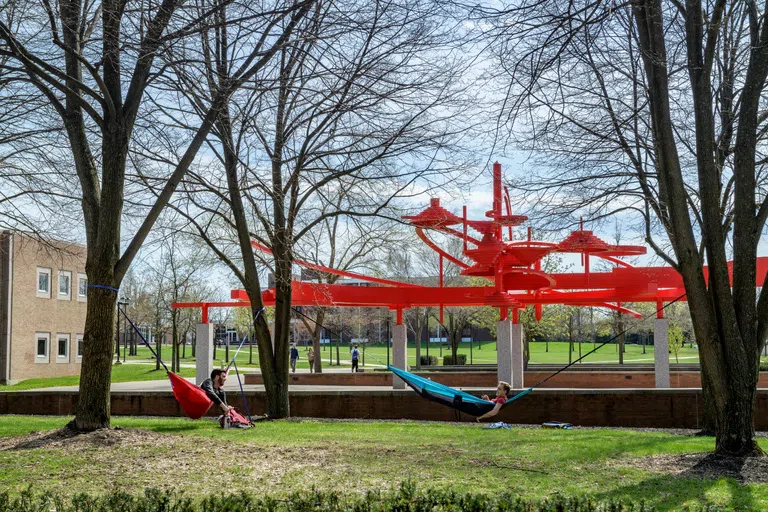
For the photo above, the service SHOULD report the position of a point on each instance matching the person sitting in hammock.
(500, 399)
(214, 388)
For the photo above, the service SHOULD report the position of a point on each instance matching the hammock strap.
(598, 347)
(242, 393)
(242, 342)
(143, 339)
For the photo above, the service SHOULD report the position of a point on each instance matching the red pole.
(441, 262)
(660, 309)
(205, 314)
(497, 196)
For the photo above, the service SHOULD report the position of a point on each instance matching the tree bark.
(620, 328)
(93, 405)
(316, 331)
(725, 363)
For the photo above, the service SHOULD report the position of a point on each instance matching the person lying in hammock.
(214, 388)
(501, 397)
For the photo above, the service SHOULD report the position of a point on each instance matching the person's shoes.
(242, 425)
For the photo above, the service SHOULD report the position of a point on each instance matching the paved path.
(231, 387)
(250, 369)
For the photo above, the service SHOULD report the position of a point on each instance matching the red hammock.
(191, 398)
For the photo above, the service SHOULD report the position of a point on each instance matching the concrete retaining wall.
(670, 408)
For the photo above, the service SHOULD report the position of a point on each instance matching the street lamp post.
(117, 335)
(122, 301)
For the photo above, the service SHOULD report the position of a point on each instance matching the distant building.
(43, 294)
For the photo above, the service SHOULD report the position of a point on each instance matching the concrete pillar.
(204, 352)
(509, 346)
(518, 357)
(399, 359)
(661, 352)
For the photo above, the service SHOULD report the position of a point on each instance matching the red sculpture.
(513, 268)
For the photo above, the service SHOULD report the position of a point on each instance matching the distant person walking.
(294, 357)
(311, 358)
(355, 358)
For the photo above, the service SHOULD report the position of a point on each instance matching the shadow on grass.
(54, 436)
(689, 487)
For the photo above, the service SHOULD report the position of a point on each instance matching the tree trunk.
(173, 357)
(417, 340)
(620, 328)
(93, 405)
(274, 370)
(341, 339)
(526, 350)
(158, 348)
(316, 331)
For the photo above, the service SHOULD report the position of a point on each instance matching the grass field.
(481, 353)
(120, 373)
(284, 456)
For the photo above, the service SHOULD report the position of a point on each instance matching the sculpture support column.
(399, 359)
(509, 346)
(203, 352)
(661, 352)
(518, 362)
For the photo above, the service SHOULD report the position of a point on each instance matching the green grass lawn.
(284, 456)
(374, 357)
(120, 373)
(481, 353)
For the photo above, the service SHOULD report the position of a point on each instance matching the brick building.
(43, 293)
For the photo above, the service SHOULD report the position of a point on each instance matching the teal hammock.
(445, 395)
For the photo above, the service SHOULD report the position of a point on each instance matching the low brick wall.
(669, 408)
(486, 379)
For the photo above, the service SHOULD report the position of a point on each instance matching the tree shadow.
(690, 485)
(53, 436)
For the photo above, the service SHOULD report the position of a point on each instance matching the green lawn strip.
(360, 456)
(481, 353)
(120, 373)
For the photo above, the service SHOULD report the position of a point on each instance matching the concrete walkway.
(249, 369)
(231, 387)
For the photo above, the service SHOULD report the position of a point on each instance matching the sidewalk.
(231, 387)
(250, 369)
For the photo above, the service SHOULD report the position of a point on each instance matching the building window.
(79, 347)
(65, 281)
(62, 348)
(44, 282)
(41, 347)
(82, 287)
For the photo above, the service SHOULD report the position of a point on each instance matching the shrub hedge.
(428, 360)
(405, 499)
(460, 359)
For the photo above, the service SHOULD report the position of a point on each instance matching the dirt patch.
(75, 440)
(133, 459)
(706, 466)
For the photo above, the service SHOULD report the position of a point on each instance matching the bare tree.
(359, 108)
(652, 111)
(93, 63)
(176, 271)
(345, 243)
